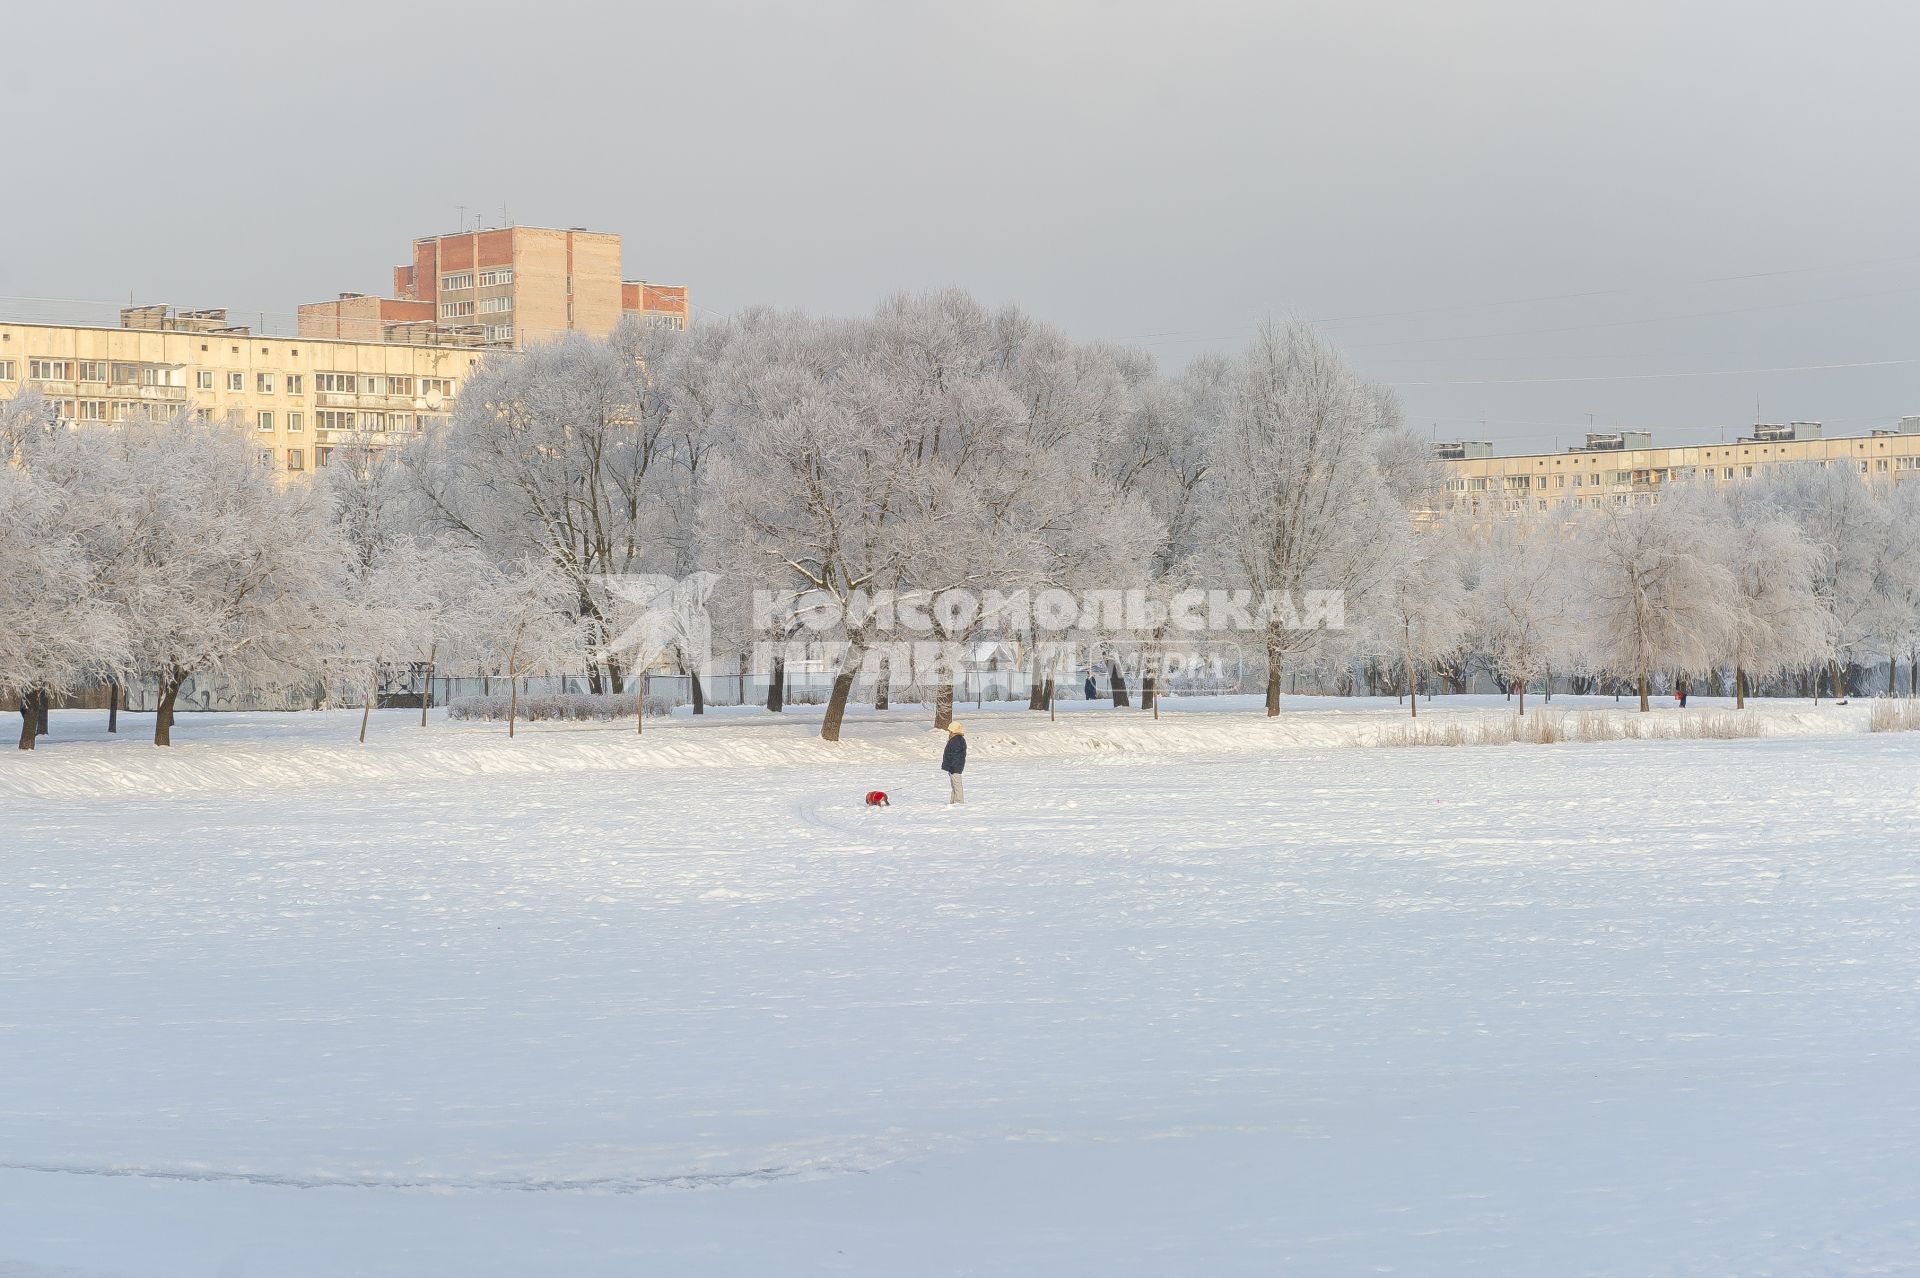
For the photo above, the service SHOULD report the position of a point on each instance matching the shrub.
(1894, 716)
(582, 707)
(1586, 725)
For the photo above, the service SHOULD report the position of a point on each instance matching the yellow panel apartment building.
(296, 397)
(1624, 468)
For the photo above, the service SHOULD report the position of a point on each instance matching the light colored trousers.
(957, 796)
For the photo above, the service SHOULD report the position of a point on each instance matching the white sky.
(1533, 205)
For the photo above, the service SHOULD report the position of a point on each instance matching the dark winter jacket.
(955, 758)
(1092, 691)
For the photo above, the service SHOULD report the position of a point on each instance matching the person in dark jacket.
(953, 761)
(1093, 689)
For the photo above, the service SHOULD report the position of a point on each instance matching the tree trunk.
(513, 689)
(1839, 680)
(1413, 692)
(1739, 687)
(1036, 696)
(27, 721)
(882, 694)
(1148, 701)
(699, 693)
(1522, 684)
(640, 706)
(943, 705)
(1645, 705)
(1273, 689)
(837, 704)
(366, 708)
(42, 705)
(777, 686)
(1053, 716)
(163, 712)
(114, 693)
(1117, 684)
(426, 689)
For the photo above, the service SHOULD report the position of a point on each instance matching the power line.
(1639, 377)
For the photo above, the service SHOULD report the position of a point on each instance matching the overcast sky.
(1519, 213)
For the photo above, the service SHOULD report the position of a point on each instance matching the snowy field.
(1207, 996)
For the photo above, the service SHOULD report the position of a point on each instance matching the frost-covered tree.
(1520, 606)
(1300, 486)
(1897, 587)
(55, 631)
(222, 573)
(1770, 568)
(1419, 611)
(519, 623)
(1847, 529)
(560, 454)
(1650, 592)
(811, 491)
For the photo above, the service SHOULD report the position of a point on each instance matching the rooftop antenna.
(463, 215)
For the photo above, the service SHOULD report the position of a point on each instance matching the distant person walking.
(953, 761)
(1093, 689)
(1680, 693)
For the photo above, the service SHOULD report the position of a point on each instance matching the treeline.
(933, 449)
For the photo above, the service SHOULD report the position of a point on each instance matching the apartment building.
(510, 286)
(1624, 468)
(297, 397)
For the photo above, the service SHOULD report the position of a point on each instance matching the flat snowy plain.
(1207, 996)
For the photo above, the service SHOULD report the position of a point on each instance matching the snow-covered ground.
(1206, 996)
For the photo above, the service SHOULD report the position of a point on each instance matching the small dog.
(877, 799)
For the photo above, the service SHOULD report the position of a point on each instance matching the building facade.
(1624, 469)
(509, 287)
(298, 398)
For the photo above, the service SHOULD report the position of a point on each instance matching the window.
(449, 310)
(373, 421)
(93, 370)
(1881, 465)
(400, 386)
(402, 422)
(436, 386)
(462, 280)
(499, 332)
(666, 321)
(203, 379)
(263, 383)
(296, 459)
(296, 422)
(503, 303)
(126, 374)
(50, 370)
(236, 381)
(6, 370)
(502, 276)
(1863, 468)
(321, 456)
(265, 421)
(1728, 473)
(296, 384)
(336, 383)
(93, 410)
(266, 457)
(332, 419)
(123, 411)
